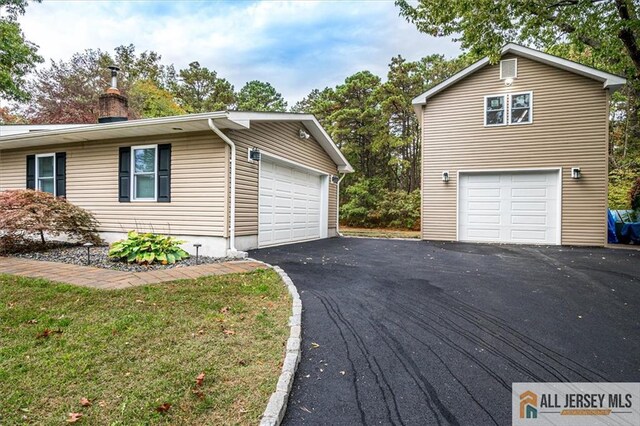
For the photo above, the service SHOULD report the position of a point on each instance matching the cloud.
(295, 45)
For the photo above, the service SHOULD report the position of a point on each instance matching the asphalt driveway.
(414, 332)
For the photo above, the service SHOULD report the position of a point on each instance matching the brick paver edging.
(108, 279)
(277, 405)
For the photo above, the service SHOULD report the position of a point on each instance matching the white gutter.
(232, 214)
(338, 205)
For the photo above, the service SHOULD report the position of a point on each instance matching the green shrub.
(369, 205)
(634, 194)
(26, 214)
(148, 248)
(620, 183)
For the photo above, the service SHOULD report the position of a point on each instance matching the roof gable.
(609, 81)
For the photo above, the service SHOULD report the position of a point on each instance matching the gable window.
(514, 108)
(521, 108)
(144, 167)
(495, 111)
(46, 172)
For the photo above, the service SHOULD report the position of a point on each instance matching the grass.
(379, 232)
(130, 351)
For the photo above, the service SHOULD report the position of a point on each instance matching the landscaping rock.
(77, 255)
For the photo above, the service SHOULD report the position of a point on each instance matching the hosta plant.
(147, 248)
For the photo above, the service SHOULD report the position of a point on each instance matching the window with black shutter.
(47, 173)
(145, 173)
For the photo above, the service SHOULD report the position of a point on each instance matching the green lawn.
(378, 232)
(130, 351)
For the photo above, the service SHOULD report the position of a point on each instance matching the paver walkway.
(88, 276)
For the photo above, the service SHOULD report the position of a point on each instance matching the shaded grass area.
(378, 232)
(130, 351)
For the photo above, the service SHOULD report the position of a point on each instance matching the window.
(495, 114)
(144, 168)
(521, 108)
(46, 172)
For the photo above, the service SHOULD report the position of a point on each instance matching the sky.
(295, 45)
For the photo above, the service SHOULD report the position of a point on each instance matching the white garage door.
(511, 207)
(290, 204)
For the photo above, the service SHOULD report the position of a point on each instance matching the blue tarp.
(612, 238)
(631, 231)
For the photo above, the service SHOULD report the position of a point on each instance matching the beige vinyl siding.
(569, 129)
(198, 169)
(281, 139)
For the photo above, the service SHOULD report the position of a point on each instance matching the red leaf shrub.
(26, 214)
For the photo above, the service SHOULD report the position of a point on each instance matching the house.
(229, 181)
(516, 152)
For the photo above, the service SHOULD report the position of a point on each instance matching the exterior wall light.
(575, 172)
(303, 134)
(445, 176)
(508, 81)
(335, 179)
(254, 154)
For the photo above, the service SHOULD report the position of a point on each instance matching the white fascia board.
(311, 124)
(422, 99)
(112, 127)
(610, 81)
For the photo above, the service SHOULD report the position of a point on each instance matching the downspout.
(232, 214)
(338, 205)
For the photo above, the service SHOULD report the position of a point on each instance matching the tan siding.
(569, 129)
(281, 139)
(198, 169)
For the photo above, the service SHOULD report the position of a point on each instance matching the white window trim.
(53, 178)
(515, 60)
(530, 93)
(133, 173)
(505, 119)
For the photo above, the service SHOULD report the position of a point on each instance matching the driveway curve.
(414, 332)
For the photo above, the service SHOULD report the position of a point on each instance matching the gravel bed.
(77, 255)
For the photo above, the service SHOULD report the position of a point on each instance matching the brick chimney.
(113, 106)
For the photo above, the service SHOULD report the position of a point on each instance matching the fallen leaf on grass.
(200, 379)
(242, 362)
(314, 345)
(32, 321)
(102, 404)
(47, 332)
(74, 417)
(163, 408)
(85, 402)
(229, 332)
(224, 310)
(198, 393)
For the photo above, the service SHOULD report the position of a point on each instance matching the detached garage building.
(517, 152)
(229, 181)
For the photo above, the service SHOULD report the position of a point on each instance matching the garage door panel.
(290, 204)
(508, 207)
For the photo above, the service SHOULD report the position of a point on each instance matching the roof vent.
(508, 68)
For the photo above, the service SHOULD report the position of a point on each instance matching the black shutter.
(31, 172)
(124, 175)
(164, 173)
(61, 174)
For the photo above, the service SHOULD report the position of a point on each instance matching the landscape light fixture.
(445, 176)
(575, 172)
(88, 246)
(197, 246)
